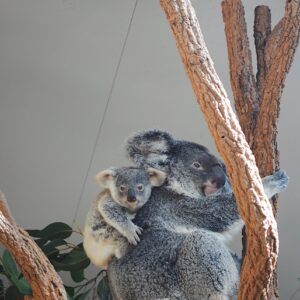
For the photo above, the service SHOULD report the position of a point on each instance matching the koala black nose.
(131, 199)
(131, 196)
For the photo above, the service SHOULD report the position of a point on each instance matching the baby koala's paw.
(132, 234)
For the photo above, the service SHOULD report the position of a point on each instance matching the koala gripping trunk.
(254, 207)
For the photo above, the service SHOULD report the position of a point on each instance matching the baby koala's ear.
(105, 177)
(157, 177)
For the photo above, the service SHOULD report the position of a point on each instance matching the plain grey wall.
(57, 60)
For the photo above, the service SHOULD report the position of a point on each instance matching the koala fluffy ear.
(150, 148)
(105, 177)
(157, 178)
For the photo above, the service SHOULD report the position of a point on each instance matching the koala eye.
(140, 187)
(122, 188)
(197, 165)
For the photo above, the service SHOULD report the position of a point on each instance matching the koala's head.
(130, 187)
(191, 169)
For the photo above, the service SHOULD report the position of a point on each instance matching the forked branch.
(254, 208)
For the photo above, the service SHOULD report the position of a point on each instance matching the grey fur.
(108, 228)
(182, 254)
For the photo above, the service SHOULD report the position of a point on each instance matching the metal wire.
(99, 131)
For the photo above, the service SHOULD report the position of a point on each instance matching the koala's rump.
(165, 261)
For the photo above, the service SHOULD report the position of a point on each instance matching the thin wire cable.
(104, 114)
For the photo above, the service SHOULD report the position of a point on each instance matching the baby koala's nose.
(131, 196)
(131, 199)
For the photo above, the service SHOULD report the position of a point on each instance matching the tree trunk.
(256, 211)
(275, 50)
(35, 266)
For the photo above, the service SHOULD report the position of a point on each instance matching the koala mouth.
(209, 188)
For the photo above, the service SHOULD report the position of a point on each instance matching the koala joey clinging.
(108, 227)
(181, 255)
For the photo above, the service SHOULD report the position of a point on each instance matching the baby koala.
(108, 227)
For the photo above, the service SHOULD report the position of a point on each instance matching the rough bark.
(241, 72)
(262, 30)
(254, 208)
(279, 52)
(35, 266)
(275, 50)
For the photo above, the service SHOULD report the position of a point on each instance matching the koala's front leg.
(116, 217)
(275, 183)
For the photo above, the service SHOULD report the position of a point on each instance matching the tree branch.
(35, 266)
(262, 30)
(280, 52)
(254, 208)
(240, 62)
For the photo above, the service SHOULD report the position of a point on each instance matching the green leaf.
(50, 248)
(77, 276)
(56, 243)
(69, 297)
(73, 261)
(9, 265)
(41, 242)
(22, 285)
(103, 290)
(2, 291)
(12, 293)
(34, 232)
(57, 230)
(70, 292)
(79, 246)
(83, 296)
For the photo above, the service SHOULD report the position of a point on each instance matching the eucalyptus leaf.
(55, 243)
(57, 230)
(50, 248)
(79, 246)
(22, 285)
(70, 292)
(34, 233)
(78, 276)
(69, 297)
(12, 293)
(9, 265)
(41, 242)
(52, 254)
(2, 291)
(73, 261)
(83, 296)
(103, 291)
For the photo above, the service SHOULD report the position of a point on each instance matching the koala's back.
(170, 254)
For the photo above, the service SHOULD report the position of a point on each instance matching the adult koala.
(182, 254)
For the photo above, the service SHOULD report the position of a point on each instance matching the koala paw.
(281, 179)
(132, 234)
(275, 183)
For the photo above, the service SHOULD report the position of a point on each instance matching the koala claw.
(139, 230)
(132, 235)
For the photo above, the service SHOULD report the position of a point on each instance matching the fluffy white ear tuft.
(105, 177)
(157, 177)
(150, 148)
